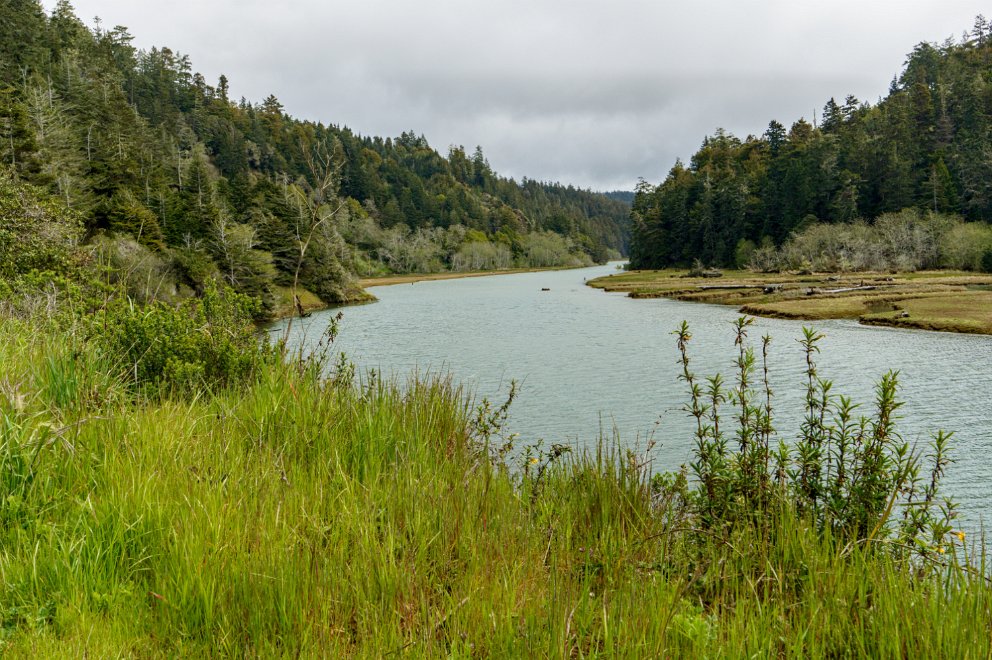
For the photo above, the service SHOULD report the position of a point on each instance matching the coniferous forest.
(170, 178)
(924, 147)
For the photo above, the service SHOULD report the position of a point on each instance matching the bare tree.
(315, 208)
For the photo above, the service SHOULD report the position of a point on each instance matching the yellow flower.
(961, 536)
(533, 460)
(941, 550)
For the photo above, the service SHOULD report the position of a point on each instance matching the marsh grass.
(290, 514)
(948, 301)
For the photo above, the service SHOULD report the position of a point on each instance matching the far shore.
(946, 301)
(285, 307)
(386, 280)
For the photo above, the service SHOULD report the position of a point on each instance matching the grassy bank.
(952, 301)
(285, 306)
(283, 514)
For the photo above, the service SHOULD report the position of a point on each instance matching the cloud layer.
(596, 94)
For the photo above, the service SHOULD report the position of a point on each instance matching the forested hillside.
(925, 146)
(176, 178)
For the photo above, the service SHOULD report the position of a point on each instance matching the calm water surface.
(588, 360)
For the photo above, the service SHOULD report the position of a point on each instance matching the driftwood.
(814, 292)
(767, 288)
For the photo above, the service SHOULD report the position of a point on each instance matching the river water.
(589, 362)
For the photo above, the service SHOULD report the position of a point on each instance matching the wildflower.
(533, 460)
(961, 536)
(941, 550)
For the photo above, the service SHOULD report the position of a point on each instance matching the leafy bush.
(844, 474)
(478, 255)
(203, 342)
(987, 261)
(548, 249)
(906, 241)
(964, 246)
(36, 231)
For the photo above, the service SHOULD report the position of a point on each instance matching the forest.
(922, 151)
(170, 178)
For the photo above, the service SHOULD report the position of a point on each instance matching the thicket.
(924, 146)
(909, 240)
(402, 250)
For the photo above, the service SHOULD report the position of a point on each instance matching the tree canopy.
(926, 145)
(136, 143)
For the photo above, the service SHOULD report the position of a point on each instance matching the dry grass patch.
(954, 301)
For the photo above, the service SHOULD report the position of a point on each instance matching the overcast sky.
(596, 94)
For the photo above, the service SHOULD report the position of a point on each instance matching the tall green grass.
(291, 515)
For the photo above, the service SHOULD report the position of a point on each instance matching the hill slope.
(139, 145)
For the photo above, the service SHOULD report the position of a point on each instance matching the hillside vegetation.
(174, 176)
(172, 485)
(925, 148)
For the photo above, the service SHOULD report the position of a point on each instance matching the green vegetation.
(950, 301)
(172, 486)
(270, 511)
(169, 175)
(904, 241)
(924, 147)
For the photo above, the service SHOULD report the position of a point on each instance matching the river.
(589, 362)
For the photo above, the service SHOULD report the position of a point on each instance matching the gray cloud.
(591, 93)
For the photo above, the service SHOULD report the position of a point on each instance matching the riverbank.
(285, 307)
(387, 280)
(288, 515)
(948, 301)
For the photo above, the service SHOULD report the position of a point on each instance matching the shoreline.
(942, 301)
(388, 280)
(312, 303)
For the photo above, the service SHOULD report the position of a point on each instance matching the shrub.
(844, 474)
(132, 267)
(37, 232)
(475, 255)
(987, 261)
(204, 342)
(907, 240)
(964, 246)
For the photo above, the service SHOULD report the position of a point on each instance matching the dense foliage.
(924, 146)
(909, 240)
(136, 144)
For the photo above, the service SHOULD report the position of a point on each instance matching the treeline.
(150, 156)
(925, 146)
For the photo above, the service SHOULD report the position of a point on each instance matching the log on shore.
(730, 286)
(815, 292)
